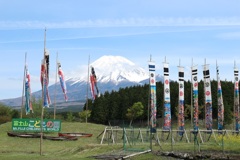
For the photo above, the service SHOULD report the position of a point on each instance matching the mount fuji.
(113, 72)
(115, 69)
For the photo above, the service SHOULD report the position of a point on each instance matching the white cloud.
(128, 22)
(229, 35)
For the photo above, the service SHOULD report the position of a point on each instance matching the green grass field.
(13, 148)
(29, 148)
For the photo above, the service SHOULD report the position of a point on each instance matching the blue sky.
(191, 31)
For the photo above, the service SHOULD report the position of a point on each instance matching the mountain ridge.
(113, 72)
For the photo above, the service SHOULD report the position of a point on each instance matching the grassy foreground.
(29, 148)
(13, 148)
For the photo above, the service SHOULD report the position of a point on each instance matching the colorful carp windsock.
(220, 103)
(46, 58)
(45, 79)
(195, 97)
(62, 81)
(167, 105)
(93, 84)
(236, 98)
(28, 102)
(181, 100)
(152, 81)
(208, 97)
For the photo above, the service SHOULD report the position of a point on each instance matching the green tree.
(174, 98)
(84, 115)
(135, 111)
(7, 113)
(187, 111)
(70, 117)
(15, 113)
(228, 114)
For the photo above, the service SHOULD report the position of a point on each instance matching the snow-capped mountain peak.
(115, 69)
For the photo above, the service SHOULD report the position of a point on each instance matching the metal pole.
(149, 96)
(205, 104)
(55, 87)
(223, 134)
(24, 81)
(234, 103)
(87, 91)
(149, 103)
(191, 97)
(150, 138)
(41, 138)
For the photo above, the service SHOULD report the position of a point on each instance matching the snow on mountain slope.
(114, 69)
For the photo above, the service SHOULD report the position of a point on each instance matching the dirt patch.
(213, 155)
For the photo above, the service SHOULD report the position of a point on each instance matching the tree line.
(114, 105)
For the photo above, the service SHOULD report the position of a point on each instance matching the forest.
(114, 105)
